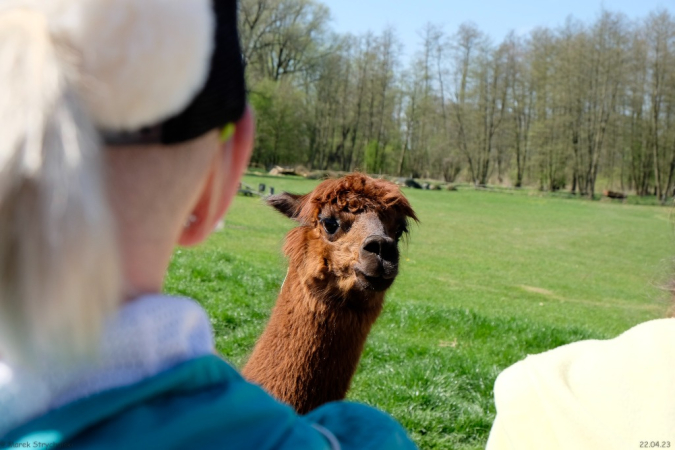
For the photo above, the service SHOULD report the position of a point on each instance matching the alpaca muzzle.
(378, 261)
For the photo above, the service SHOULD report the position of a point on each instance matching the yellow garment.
(615, 394)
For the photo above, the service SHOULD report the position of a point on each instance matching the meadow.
(486, 278)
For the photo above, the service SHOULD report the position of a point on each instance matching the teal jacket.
(204, 403)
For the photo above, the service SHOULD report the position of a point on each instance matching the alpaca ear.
(287, 204)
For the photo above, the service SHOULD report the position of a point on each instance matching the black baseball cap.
(221, 100)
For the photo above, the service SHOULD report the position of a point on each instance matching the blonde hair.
(59, 264)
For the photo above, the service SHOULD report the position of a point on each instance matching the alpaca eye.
(330, 225)
(402, 229)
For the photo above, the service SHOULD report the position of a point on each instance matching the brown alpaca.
(342, 258)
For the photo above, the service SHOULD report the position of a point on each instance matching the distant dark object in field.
(409, 182)
(324, 174)
(246, 190)
(614, 194)
(431, 186)
(262, 187)
(451, 187)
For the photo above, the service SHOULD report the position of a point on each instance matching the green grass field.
(485, 279)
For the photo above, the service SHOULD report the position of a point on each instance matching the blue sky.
(494, 17)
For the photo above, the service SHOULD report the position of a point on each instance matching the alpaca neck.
(311, 347)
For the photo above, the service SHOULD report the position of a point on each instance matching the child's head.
(111, 153)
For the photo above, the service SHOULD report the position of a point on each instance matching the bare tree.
(278, 35)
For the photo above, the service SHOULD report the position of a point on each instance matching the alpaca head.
(346, 246)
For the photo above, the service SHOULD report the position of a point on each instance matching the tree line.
(582, 107)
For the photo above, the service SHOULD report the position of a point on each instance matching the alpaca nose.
(382, 246)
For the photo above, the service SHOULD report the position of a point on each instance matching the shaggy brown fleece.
(342, 258)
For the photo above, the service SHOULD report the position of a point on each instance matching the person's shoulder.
(643, 348)
(206, 403)
(653, 329)
(601, 391)
(357, 426)
(639, 342)
(201, 402)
